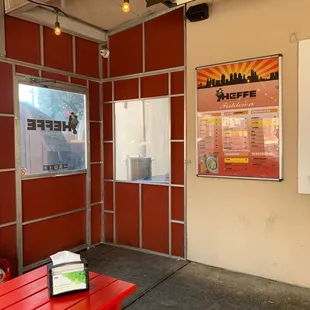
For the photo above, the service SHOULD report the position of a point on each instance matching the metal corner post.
(102, 235)
(2, 29)
(88, 174)
(18, 180)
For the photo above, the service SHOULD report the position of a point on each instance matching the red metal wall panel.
(7, 194)
(177, 239)
(108, 195)
(107, 122)
(127, 214)
(155, 218)
(95, 142)
(26, 70)
(96, 224)
(108, 227)
(58, 50)
(108, 161)
(50, 196)
(177, 83)
(6, 89)
(126, 89)
(107, 91)
(154, 86)
(60, 233)
(164, 41)
(78, 81)
(55, 76)
(177, 163)
(7, 158)
(126, 52)
(177, 118)
(27, 46)
(94, 101)
(96, 182)
(8, 247)
(177, 203)
(87, 57)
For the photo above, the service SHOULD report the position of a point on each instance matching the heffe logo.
(221, 95)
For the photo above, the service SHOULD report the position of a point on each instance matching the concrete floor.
(165, 283)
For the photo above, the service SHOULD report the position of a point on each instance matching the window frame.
(142, 182)
(54, 85)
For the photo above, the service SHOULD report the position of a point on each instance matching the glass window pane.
(52, 130)
(142, 139)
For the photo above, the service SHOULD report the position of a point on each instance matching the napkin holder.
(63, 279)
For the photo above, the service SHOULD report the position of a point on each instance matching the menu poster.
(239, 119)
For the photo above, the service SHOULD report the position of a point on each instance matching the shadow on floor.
(165, 283)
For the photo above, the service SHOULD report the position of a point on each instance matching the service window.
(52, 130)
(142, 140)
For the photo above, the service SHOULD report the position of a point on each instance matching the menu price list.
(240, 143)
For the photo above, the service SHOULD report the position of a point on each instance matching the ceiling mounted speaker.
(198, 12)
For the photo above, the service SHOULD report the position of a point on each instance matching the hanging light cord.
(55, 8)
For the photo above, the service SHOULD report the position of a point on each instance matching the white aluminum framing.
(17, 79)
(170, 185)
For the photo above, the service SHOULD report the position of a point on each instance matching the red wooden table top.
(30, 291)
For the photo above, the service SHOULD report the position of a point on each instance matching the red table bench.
(30, 291)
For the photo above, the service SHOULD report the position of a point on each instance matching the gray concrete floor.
(165, 283)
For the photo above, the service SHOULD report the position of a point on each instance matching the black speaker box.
(198, 12)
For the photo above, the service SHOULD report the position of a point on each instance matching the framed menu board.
(238, 110)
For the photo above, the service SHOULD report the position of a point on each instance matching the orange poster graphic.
(238, 119)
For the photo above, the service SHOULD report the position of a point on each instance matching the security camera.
(105, 53)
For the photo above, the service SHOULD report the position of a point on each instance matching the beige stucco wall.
(256, 227)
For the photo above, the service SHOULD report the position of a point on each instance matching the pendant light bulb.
(126, 6)
(57, 29)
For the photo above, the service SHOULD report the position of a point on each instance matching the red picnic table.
(30, 291)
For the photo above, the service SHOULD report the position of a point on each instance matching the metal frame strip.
(143, 74)
(74, 53)
(281, 117)
(109, 211)
(146, 98)
(45, 261)
(18, 179)
(88, 173)
(2, 29)
(54, 216)
(170, 159)
(7, 170)
(40, 67)
(143, 49)
(141, 20)
(114, 166)
(102, 235)
(7, 224)
(7, 115)
(145, 251)
(140, 217)
(185, 137)
(42, 45)
(97, 203)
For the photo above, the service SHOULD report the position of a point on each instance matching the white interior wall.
(255, 227)
(303, 118)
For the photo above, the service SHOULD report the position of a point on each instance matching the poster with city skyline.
(238, 113)
(252, 71)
